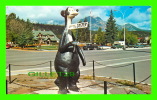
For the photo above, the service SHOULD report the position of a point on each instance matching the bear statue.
(67, 58)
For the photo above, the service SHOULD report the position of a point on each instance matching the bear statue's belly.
(67, 59)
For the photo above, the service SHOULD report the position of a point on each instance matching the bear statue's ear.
(66, 12)
(63, 13)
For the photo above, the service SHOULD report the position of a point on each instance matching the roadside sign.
(78, 25)
(72, 26)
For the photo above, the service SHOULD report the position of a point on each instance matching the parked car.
(8, 46)
(103, 47)
(147, 45)
(130, 46)
(138, 46)
(117, 46)
(90, 47)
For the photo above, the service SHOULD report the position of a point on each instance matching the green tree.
(120, 35)
(99, 37)
(111, 29)
(130, 38)
(79, 34)
(149, 40)
(142, 40)
(18, 30)
(86, 32)
(83, 34)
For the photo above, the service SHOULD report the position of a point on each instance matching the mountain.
(97, 22)
(130, 27)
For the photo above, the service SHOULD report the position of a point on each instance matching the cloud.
(46, 13)
(138, 16)
(140, 19)
(119, 20)
(37, 13)
(100, 11)
(50, 22)
(51, 14)
(149, 10)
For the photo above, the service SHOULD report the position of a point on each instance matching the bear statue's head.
(69, 12)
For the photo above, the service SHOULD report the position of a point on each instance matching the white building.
(119, 42)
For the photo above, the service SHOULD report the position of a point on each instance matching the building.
(45, 37)
(119, 42)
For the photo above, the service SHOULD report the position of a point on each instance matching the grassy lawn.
(45, 47)
(52, 47)
(48, 47)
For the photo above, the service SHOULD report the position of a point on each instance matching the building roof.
(46, 33)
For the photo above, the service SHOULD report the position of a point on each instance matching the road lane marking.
(35, 50)
(121, 58)
(28, 58)
(126, 49)
(109, 65)
(31, 69)
(84, 69)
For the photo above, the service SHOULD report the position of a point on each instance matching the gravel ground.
(25, 84)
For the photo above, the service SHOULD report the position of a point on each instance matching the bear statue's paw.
(64, 91)
(74, 88)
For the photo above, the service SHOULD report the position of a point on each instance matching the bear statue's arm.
(80, 52)
(63, 48)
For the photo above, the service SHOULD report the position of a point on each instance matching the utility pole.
(123, 14)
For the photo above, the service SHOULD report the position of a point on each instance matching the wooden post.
(50, 67)
(10, 73)
(93, 71)
(6, 87)
(105, 87)
(134, 74)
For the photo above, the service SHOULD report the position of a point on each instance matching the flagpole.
(90, 25)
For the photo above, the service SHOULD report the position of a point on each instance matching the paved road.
(106, 59)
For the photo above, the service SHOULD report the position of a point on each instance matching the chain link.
(32, 65)
(144, 79)
(24, 85)
(115, 84)
(112, 66)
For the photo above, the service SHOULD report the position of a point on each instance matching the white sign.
(72, 26)
(78, 25)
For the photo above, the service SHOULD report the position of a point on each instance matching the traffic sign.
(78, 25)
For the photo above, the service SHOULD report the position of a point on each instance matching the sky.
(139, 16)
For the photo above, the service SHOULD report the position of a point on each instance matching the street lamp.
(90, 26)
(123, 13)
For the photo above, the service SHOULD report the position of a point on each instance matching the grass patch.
(125, 82)
(143, 87)
(52, 47)
(45, 47)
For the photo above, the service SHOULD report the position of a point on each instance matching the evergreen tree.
(111, 29)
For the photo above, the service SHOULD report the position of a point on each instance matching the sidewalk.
(94, 87)
(127, 49)
(24, 84)
(42, 50)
